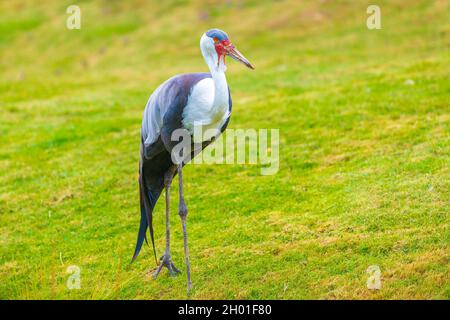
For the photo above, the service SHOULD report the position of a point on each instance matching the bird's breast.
(204, 112)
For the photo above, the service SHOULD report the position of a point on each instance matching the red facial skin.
(222, 48)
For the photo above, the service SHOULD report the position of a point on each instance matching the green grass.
(364, 157)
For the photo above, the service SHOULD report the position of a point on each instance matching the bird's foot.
(166, 261)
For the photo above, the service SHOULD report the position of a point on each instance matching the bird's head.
(215, 45)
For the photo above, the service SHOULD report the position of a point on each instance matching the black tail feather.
(142, 234)
(148, 200)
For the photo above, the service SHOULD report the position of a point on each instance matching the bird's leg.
(166, 259)
(182, 211)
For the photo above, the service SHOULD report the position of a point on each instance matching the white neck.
(218, 75)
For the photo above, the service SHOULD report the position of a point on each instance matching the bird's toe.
(166, 261)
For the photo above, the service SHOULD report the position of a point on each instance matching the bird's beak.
(236, 55)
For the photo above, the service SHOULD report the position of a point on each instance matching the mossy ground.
(364, 150)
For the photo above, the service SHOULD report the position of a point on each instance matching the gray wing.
(165, 108)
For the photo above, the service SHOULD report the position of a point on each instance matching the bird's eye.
(216, 40)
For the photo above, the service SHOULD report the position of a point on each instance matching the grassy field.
(364, 150)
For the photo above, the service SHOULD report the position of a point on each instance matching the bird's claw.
(166, 261)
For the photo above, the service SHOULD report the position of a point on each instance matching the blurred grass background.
(364, 155)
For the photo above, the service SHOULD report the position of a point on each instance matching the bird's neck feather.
(220, 81)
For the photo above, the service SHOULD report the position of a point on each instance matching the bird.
(185, 102)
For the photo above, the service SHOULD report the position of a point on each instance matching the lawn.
(363, 118)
